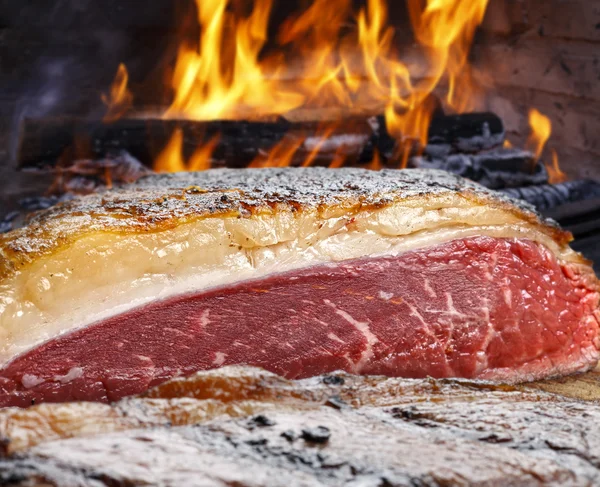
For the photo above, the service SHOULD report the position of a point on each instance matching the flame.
(319, 62)
(171, 158)
(201, 158)
(120, 99)
(555, 175)
(445, 28)
(375, 164)
(221, 81)
(281, 155)
(541, 129)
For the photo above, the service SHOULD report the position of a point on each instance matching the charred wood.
(26, 206)
(85, 176)
(466, 133)
(43, 142)
(548, 197)
(496, 169)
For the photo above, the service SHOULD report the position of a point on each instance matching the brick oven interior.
(58, 58)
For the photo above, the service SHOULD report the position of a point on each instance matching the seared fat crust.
(163, 201)
(100, 255)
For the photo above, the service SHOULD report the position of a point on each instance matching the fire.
(279, 156)
(120, 98)
(319, 62)
(541, 129)
(201, 158)
(555, 175)
(221, 81)
(447, 28)
(171, 159)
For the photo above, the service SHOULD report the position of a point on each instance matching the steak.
(300, 271)
(247, 427)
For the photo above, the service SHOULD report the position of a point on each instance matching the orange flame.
(555, 175)
(446, 28)
(281, 155)
(201, 158)
(171, 158)
(225, 77)
(320, 62)
(120, 99)
(375, 164)
(222, 81)
(541, 129)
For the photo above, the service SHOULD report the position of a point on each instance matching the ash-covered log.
(466, 133)
(548, 197)
(496, 169)
(43, 142)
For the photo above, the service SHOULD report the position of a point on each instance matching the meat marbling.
(300, 271)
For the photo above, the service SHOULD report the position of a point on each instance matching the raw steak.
(299, 271)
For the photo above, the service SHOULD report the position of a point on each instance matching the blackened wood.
(495, 169)
(43, 142)
(579, 217)
(551, 196)
(468, 132)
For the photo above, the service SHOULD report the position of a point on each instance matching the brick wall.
(546, 54)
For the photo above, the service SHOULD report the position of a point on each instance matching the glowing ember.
(120, 98)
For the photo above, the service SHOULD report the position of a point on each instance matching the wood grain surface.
(585, 387)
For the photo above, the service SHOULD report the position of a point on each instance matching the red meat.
(498, 309)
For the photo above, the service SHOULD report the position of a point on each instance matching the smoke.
(62, 55)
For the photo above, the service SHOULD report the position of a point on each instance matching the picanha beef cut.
(246, 427)
(300, 271)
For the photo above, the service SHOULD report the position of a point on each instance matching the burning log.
(43, 142)
(496, 169)
(466, 133)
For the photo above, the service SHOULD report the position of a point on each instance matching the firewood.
(44, 142)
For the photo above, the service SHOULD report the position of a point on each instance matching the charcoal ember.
(35, 203)
(18, 218)
(6, 222)
(551, 196)
(85, 176)
(380, 141)
(495, 169)
(464, 133)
